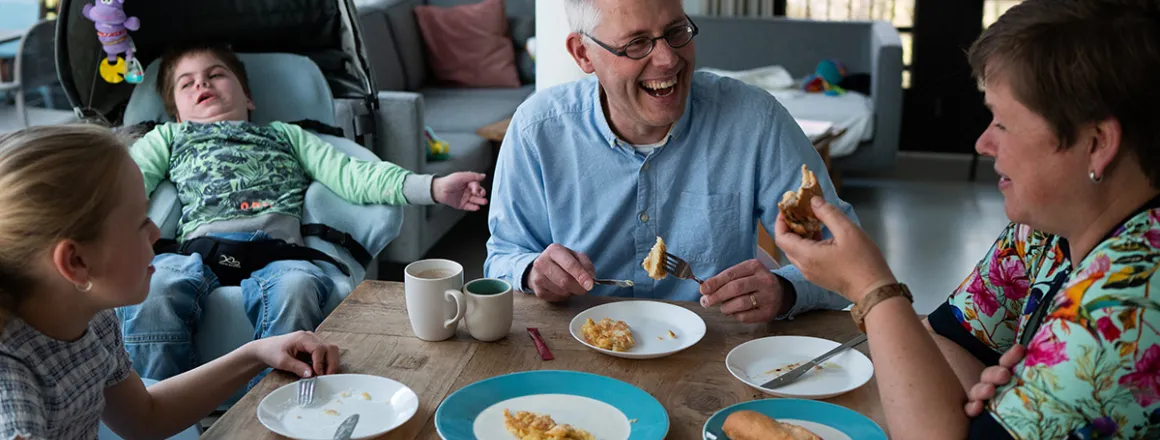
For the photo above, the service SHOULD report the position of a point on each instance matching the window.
(49, 8)
(898, 12)
(993, 9)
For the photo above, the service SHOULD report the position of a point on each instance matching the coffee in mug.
(435, 274)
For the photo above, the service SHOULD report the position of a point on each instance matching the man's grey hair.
(583, 15)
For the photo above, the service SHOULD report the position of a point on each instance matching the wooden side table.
(494, 131)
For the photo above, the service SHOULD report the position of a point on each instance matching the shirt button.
(645, 167)
(644, 217)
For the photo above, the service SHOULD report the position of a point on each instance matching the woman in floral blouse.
(1071, 84)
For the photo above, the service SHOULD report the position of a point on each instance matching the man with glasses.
(592, 172)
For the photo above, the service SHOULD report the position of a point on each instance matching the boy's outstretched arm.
(460, 190)
(366, 182)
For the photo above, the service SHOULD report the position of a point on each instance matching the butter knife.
(797, 373)
(346, 429)
(617, 283)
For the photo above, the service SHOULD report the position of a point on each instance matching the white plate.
(337, 397)
(650, 322)
(600, 419)
(754, 363)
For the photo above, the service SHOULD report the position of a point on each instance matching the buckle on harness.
(340, 238)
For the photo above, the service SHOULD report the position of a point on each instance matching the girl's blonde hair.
(56, 182)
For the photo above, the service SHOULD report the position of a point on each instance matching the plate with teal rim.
(826, 420)
(605, 407)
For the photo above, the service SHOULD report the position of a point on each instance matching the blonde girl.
(75, 243)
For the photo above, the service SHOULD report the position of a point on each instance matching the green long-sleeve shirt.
(233, 170)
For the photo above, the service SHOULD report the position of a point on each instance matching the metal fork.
(679, 268)
(305, 391)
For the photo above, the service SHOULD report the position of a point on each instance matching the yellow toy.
(113, 73)
(437, 149)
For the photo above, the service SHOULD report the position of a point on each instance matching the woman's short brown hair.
(1081, 61)
(167, 84)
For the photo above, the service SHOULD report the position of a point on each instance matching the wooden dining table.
(374, 335)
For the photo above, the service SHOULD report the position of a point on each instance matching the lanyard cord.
(1041, 309)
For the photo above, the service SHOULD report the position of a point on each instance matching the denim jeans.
(283, 297)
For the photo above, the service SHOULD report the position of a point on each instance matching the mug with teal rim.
(487, 286)
(489, 309)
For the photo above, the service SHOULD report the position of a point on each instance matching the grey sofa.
(410, 100)
(733, 43)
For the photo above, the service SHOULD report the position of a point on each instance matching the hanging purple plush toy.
(113, 27)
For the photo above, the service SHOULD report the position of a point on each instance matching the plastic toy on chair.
(826, 78)
(113, 27)
(437, 148)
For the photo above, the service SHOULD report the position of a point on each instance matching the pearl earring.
(87, 287)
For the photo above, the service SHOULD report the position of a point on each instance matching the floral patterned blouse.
(1092, 368)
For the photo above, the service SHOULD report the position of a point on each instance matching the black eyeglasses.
(640, 47)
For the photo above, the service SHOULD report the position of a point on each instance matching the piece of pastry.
(654, 263)
(795, 206)
(752, 425)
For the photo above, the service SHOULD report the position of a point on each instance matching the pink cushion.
(468, 45)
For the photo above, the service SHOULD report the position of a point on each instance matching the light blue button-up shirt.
(564, 177)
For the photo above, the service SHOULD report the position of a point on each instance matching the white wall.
(554, 65)
(692, 7)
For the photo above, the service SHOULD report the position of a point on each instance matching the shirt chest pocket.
(705, 227)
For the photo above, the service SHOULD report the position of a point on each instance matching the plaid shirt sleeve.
(108, 328)
(22, 411)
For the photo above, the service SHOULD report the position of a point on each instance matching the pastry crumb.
(365, 395)
(330, 412)
(672, 335)
(787, 368)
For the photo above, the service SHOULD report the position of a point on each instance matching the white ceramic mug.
(489, 309)
(434, 301)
